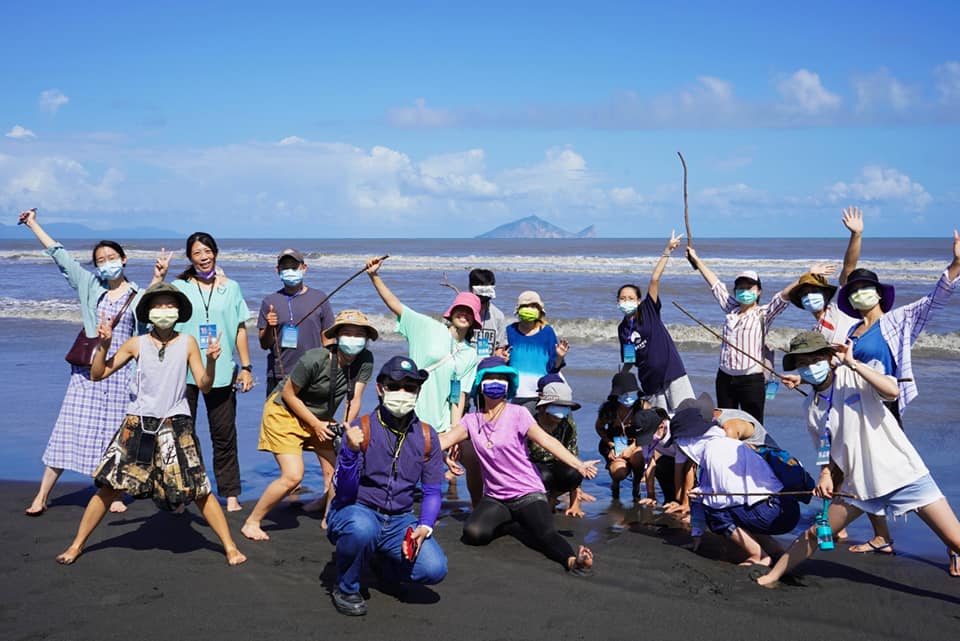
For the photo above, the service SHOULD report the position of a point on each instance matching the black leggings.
(665, 477)
(747, 393)
(527, 518)
(558, 477)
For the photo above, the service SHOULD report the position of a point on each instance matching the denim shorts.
(908, 498)
(776, 515)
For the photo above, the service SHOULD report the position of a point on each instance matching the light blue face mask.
(629, 399)
(745, 296)
(558, 411)
(110, 269)
(815, 373)
(812, 302)
(351, 345)
(627, 306)
(291, 277)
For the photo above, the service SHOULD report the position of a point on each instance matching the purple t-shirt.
(657, 361)
(309, 336)
(508, 472)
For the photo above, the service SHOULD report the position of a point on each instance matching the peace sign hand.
(105, 330)
(162, 265)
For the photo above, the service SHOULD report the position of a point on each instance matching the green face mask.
(528, 314)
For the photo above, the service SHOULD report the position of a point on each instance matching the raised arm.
(953, 270)
(653, 289)
(852, 220)
(29, 218)
(102, 366)
(705, 271)
(389, 298)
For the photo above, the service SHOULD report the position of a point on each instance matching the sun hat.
(557, 393)
(530, 297)
(703, 404)
(146, 302)
(858, 277)
(688, 423)
(804, 343)
(622, 383)
(351, 317)
(496, 365)
(401, 367)
(290, 253)
(812, 280)
(646, 422)
(470, 301)
(748, 274)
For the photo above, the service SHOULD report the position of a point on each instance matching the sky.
(439, 119)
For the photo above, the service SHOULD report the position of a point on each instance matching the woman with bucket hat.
(533, 347)
(300, 415)
(155, 454)
(514, 498)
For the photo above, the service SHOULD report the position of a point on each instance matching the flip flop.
(954, 570)
(885, 549)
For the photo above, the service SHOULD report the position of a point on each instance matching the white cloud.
(57, 183)
(420, 116)
(881, 91)
(948, 82)
(879, 184)
(52, 99)
(803, 92)
(20, 133)
(292, 140)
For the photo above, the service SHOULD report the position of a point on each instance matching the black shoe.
(350, 604)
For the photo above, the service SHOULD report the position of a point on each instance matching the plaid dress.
(92, 411)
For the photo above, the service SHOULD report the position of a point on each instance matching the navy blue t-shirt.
(658, 362)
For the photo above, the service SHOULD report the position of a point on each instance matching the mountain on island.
(536, 227)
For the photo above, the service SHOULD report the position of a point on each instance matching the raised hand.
(562, 348)
(373, 265)
(27, 217)
(823, 269)
(272, 319)
(674, 241)
(853, 220)
(213, 349)
(956, 246)
(162, 265)
(105, 330)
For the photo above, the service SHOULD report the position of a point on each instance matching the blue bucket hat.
(496, 365)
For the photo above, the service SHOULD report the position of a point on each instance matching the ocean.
(577, 279)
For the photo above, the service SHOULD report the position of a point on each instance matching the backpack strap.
(427, 443)
(365, 426)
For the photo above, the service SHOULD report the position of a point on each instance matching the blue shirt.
(532, 356)
(871, 348)
(657, 359)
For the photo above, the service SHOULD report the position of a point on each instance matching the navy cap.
(401, 367)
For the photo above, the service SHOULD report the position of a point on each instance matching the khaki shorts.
(282, 433)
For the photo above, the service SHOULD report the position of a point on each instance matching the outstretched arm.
(653, 289)
(705, 271)
(29, 218)
(852, 220)
(587, 469)
(954, 268)
(389, 298)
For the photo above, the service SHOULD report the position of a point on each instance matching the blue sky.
(430, 120)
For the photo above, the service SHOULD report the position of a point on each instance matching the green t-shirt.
(311, 375)
(566, 433)
(224, 307)
(429, 342)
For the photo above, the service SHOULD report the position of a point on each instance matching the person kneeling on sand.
(378, 466)
(155, 454)
(869, 454)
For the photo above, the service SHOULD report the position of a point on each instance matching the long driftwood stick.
(339, 287)
(686, 210)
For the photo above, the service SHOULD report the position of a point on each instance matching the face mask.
(494, 390)
(110, 269)
(558, 411)
(746, 296)
(163, 317)
(864, 299)
(815, 373)
(291, 277)
(627, 306)
(399, 403)
(528, 314)
(484, 291)
(351, 345)
(629, 399)
(812, 302)
(206, 275)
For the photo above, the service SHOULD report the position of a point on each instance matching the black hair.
(115, 246)
(631, 286)
(204, 239)
(662, 413)
(481, 277)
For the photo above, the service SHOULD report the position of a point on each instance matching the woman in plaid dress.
(91, 410)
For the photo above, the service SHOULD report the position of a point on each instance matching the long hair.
(204, 239)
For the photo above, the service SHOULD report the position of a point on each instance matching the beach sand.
(152, 575)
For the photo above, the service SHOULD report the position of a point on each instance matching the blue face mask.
(351, 345)
(494, 390)
(629, 399)
(291, 277)
(627, 307)
(745, 296)
(815, 373)
(812, 302)
(110, 269)
(558, 411)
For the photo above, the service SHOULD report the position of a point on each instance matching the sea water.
(577, 279)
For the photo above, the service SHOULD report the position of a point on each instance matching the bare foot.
(253, 532)
(581, 564)
(323, 523)
(749, 563)
(118, 506)
(69, 555)
(954, 563)
(233, 505)
(766, 581)
(235, 557)
(36, 508)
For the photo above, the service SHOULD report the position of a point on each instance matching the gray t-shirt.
(311, 375)
(492, 335)
(760, 435)
(290, 310)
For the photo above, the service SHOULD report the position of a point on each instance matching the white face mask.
(399, 403)
(627, 306)
(864, 299)
(163, 317)
(484, 291)
(351, 345)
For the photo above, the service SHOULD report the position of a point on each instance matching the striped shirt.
(745, 330)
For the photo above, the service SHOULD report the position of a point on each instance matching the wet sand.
(152, 575)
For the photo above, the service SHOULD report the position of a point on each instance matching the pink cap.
(471, 301)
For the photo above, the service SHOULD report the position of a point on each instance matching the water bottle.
(770, 390)
(824, 533)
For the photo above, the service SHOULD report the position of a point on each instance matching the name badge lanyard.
(206, 303)
(823, 451)
(208, 330)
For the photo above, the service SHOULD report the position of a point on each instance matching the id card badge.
(823, 451)
(620, 444)
(288, 336)
(454, 391)
(770, 391)
(483, 347)
(629, 353)
(206, 333)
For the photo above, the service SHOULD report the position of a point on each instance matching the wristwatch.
(248, 368)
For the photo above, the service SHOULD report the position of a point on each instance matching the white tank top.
(161, 388)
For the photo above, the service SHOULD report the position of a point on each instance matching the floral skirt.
(153, 458)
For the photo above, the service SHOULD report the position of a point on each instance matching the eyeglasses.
(412, 388)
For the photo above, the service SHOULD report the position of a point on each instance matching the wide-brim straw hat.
(351, 317)
(813, 280)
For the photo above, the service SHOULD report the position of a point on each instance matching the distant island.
(77, 231)
(536, 227)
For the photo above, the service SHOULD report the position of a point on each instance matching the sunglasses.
(412, 388)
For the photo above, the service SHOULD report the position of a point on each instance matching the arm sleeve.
(727, 303)
(776, 306)
(347, 477)
(917, 313)
(68, 265)
(431, 480)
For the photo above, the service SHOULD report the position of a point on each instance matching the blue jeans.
(359, 533)
(775, 515)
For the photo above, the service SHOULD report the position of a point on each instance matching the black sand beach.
(152, 575)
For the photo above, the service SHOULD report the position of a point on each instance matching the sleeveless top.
(161, 388)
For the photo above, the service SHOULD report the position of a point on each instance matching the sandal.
(954, 564)
(871, 548)
(582, 563)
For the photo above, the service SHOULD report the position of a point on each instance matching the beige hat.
(351, 317)
(530, 297)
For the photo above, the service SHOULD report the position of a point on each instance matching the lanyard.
(401, 439)
(290, 305)
(206, 303)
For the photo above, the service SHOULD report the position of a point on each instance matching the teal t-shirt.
(222, 306)
(429, 342)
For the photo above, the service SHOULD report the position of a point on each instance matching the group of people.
(488, 399)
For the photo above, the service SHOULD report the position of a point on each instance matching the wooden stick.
(686, 210)
(339, 287)
(729, 344)
(694, 493)
(446, 283)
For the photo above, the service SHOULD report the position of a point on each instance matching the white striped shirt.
(746, 331)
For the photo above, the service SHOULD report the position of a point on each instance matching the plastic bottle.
(824, 532)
